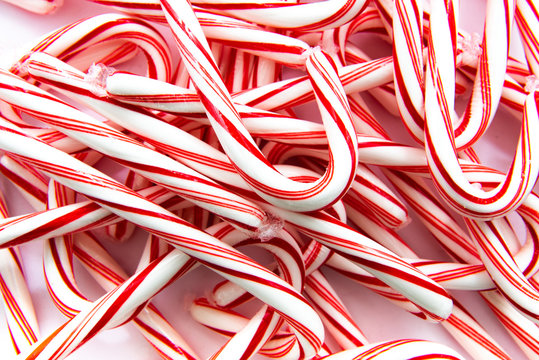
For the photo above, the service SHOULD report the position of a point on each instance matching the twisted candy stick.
(71, 40)
(123, 230)
(332, 311)
(239, 145)
(30, 183)
(84, 215)
(408, 62)
(367, 190)
(439, 139)
(17, 302)
(502, 268)
(124, 202)
(154, 327)
(527, 19)
(228, 322)
(159, 168)
(263, 325)
(276, 96)
(304, 17)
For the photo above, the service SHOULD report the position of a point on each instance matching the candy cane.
(502, 268)
(333, 313)
(68, 41)
(527, 19)
(239, 145)
(366, 188)
(30, 183)
(123, 230)
(131, 206)
(159, 168)
(447, 173)
(149, 321)
(275, 96)
(262, 326)
(408, 62)
(17, 302)
(521, 329)
(305, 17)
(84, 215)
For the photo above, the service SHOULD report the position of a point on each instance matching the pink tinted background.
(376, 317)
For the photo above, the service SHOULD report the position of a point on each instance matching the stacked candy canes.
(209, 155)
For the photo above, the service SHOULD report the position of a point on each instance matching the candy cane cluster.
(210, 154)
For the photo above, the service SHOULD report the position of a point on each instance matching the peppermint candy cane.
(502, 268)
(17, 302)
(154, 327)
(228, 322)
(70, 40)
(42, 7)
(521, 329)
(367, 189)
(223, 259)
(84, 215)
(110, 310)
(333, 312)
(239, 145)
(123, 230)
(30, 183)
(276, 96)
(408, 62)
(528, 23)
(446, 172)
(262, 326)
(373, 258)
(304, 17)
(157, 167)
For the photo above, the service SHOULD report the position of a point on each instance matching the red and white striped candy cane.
(502, 268)
(213, 253)
(123, 230)
(84, 215)
(440, 140)
(30, 183)
(333, 312)
(154, 327)
(527, 19)
(287, 15)
(275, 96)
(17, 303)
(239, 145)
(70, 40)
(408, 62)
(155, 166)
(263, 325)
(366, 188)
(522, 330)
(58, 269)
(375, 259)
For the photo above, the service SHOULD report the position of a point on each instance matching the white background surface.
(376, 317)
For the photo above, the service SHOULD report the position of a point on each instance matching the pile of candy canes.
(216, 159)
